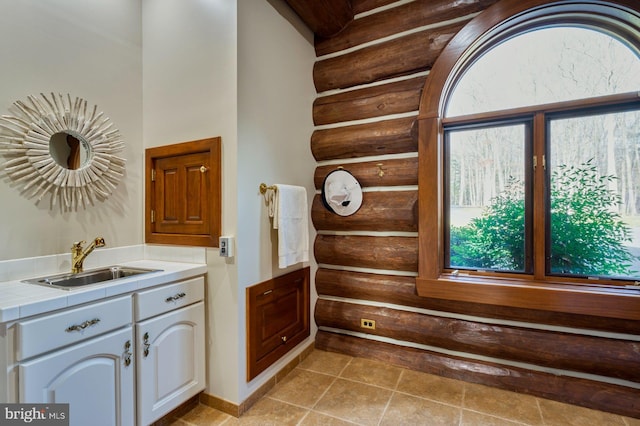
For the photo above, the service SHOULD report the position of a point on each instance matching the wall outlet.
(226, 246)
(367, 323)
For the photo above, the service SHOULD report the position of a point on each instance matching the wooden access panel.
(183, 193)
(277, 319)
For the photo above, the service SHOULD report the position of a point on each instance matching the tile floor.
(334, 389)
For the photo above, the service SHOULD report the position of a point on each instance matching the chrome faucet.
(78, 253)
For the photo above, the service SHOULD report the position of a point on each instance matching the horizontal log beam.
(380, 211)
(587, 354)
(405, 55)
(380, 138)
(401, 290)
(376, 101)
(396, 172)
(587, 393)
(396, 20)
(392, 253)
(324, 17)
(360, 6)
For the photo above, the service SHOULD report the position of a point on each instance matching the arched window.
(530, 160)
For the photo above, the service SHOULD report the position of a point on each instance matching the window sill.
(608, 302)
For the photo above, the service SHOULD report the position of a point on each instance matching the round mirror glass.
(69, 149)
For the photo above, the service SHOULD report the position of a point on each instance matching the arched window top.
(551, 64)
(616, 21)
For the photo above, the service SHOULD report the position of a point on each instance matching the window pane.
(595, 195)
(486, 198)
(544, 66)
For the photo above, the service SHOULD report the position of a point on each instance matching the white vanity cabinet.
(120, 361)
(76, 357)
(170, 347)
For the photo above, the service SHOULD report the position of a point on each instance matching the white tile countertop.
(19, 299)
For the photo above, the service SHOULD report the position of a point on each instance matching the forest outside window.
(537, 150)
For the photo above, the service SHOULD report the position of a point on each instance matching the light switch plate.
(226, 246)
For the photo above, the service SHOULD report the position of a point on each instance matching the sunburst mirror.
(59, 146)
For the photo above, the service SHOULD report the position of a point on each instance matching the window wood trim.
(528, 294)
(434, 282)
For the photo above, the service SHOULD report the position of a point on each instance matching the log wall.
(369, 79)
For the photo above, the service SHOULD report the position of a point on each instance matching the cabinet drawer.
(49, 332)
(167, 298)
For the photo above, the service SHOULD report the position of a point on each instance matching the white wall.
(238, 70)
(90, 49)
(275, 95)
(190, 93)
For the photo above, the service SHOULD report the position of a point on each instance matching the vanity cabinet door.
(171, 364)
(96, 379)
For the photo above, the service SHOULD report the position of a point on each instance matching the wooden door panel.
(167, 180)
(277, 318)
(182, 194)
(196, 193)
(280, 316)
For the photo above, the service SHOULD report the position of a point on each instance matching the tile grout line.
(393, 392)
(424, 398)
(493, 416)
(345, 367)
(373, 385)
(312, 409)
(335, 378)
(339, 376)
(386, 407)
(303, 417)
(308, 410)
(544, 422)
(462, 402)
(400, 376)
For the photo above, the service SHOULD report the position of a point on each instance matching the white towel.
(290, 218)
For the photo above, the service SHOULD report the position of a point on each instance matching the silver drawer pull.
(82, 326)
(146, 344)
(176, 297)
(127, 353)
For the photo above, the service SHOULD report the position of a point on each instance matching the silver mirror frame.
(25, 139)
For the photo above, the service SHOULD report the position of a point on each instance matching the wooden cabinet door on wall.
(277, 318)
(183, 193)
